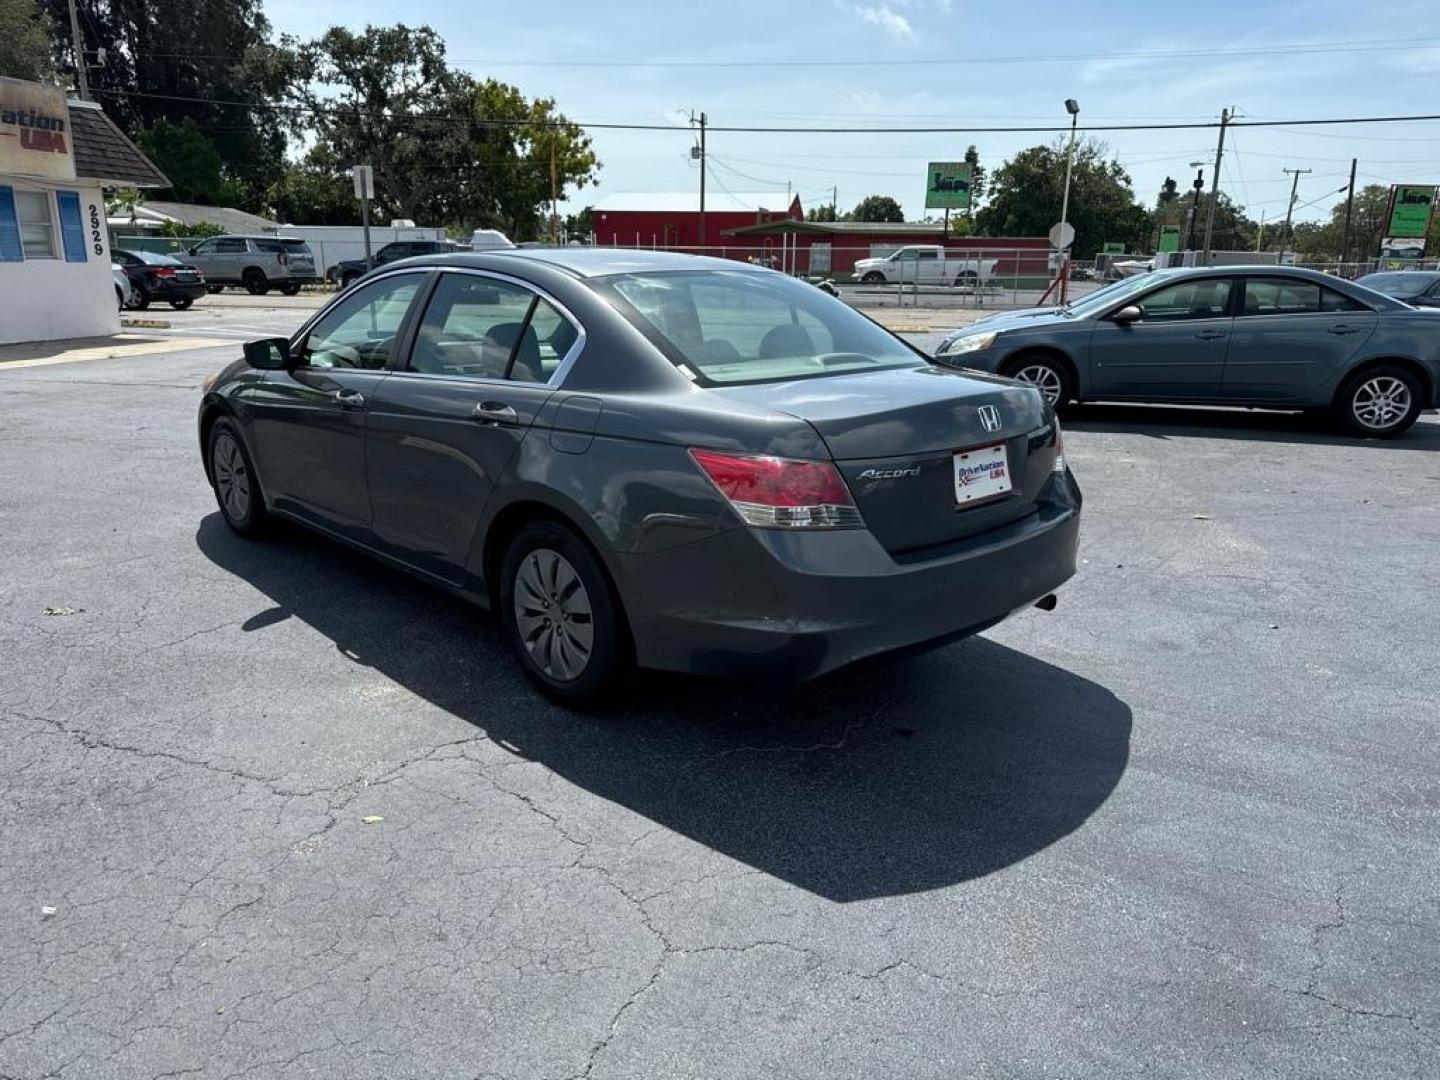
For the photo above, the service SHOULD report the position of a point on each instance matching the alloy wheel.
(1043, 377)
(1381, 402)
(232, 478)
(553, 614)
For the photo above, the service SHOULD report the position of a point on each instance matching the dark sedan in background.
(638, 457)
(1265, 336)
(1418, 288)
(346, 272)
(160, 278)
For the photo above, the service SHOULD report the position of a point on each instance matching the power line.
(1290, 49)
(762, 130)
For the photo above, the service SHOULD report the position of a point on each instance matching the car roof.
(1431, 274)
(585, 262)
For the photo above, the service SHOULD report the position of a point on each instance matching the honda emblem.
(989, 417)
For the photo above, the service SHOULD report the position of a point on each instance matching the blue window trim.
(11, 249)
(72, 228)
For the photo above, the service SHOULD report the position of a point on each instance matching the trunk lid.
(895, 436)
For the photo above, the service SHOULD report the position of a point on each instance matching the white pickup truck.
(925, 264)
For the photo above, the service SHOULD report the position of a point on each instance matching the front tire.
(1047, 375)
(874, 277)
(141, 301)
(237, 488)
(1380, 402)
(560, 615)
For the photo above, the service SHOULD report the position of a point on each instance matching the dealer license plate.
(981, 474)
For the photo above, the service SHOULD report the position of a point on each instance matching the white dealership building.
(56, 158)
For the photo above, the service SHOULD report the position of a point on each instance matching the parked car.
(345, 273)
(259, 263)
(1266, 336)
(163, 278)
(1418, 288)
(650, 458)
(925, 264)
(124, 291)
(490, 240)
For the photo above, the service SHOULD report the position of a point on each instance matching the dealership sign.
(1410, 208)
(34, 131)
(947, 185)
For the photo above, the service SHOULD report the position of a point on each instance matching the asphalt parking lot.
(269, 810)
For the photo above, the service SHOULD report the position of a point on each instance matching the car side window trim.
(1247, 281)
(401, 361)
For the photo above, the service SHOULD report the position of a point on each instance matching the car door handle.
(1209, 335)
(1344, 328)
(495, 412)
(350, 399)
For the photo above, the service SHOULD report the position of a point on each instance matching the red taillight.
(777, 492)
(163, 271)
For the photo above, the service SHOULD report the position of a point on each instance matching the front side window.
(737, 327)
(37, 224)
(1204, 299)
(927, 254)
(472, 326)
(205, 247)
(360, 330)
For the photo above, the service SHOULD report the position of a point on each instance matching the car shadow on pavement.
(1165, 421)
(888, 777)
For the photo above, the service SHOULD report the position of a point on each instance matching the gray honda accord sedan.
(641, 458)
(1267, 336)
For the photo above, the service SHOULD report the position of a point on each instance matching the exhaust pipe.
(1047, 602)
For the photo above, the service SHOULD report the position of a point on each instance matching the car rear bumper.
(798, 604)
(177, 290)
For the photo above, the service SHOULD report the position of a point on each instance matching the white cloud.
(885, 17)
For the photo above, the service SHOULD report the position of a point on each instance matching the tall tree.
(446, 148)
(1026, 193)
(25, 42)
(209, 61)
(877, 208)
(977, 178)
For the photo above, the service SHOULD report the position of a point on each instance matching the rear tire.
(560, 616)
(1046, 374)
(237, 487)
(348, 279)
(256, 283)
(1379, 402)
(967, 277)
(141, 301)
(290, 288)
(182, 304)
(119, 298)
(213, 289)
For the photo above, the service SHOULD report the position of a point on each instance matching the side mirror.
(1128, 314)
(268, 354)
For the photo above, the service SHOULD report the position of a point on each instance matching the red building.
(671, 219)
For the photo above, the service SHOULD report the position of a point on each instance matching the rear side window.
(230, 246)
(271, 247)
(472, 327)
(1283, 296)
(295, 247)
(737, 327)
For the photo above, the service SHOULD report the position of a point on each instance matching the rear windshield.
(152, 258)
(1402, 284)
(742, 327)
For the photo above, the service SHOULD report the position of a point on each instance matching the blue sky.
(538, 49)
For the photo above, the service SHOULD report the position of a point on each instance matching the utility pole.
(554, 195)
(1289, 210)
(835, 201)
(701, 157)
(1349, 209)
(1215, 185)
(81, 76)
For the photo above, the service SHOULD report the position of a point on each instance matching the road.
(269, 810)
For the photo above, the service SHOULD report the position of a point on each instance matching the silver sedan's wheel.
(553, 614)
(1380, 403)
(232, 478)
(1045, 378)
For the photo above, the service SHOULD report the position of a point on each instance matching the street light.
(1199, 166)
(1073, 108)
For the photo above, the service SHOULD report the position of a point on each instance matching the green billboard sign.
(1112, 248)
(947, 185)
(1410, 207)
(1170, 238)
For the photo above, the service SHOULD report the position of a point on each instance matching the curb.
(146, 324)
